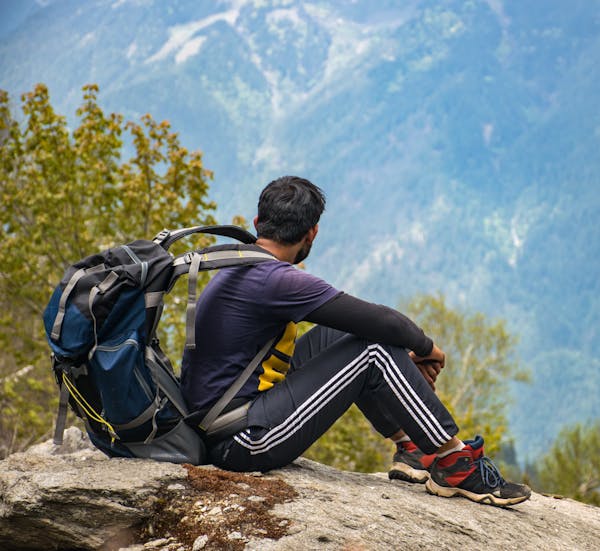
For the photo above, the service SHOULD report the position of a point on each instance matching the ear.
(255, 221)
(312, 233)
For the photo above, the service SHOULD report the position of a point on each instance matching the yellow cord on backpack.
(88, 410)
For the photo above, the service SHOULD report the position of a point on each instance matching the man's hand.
(431, 365)
(436, 355)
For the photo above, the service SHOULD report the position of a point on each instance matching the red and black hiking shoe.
(469, 473)
(410, 463)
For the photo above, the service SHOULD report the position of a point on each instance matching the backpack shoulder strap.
(222, 256)
(211, 258)
(230, 393)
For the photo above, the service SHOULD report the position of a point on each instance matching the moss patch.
(227, 508)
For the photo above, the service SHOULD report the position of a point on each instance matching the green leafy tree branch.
(572, 466)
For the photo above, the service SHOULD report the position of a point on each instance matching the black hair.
(287, 208)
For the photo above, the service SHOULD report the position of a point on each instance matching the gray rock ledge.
(73, 497)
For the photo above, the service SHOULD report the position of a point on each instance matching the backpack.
(101, 326)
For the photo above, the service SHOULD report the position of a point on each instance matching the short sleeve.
(292, 294)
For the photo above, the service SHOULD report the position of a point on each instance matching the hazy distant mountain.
(457, 142)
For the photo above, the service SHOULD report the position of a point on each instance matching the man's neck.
(285, 253)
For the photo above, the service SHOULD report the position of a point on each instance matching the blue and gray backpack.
(101, 326)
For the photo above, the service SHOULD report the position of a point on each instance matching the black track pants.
(330, 371)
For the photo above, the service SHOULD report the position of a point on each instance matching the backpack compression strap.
(60, 315)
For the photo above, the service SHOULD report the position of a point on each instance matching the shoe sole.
(402, 471)
(488, 499)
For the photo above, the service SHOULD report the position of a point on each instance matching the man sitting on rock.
(358, 352)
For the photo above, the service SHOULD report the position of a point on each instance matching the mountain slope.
(457, 143)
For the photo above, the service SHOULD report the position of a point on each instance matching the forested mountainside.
(457, 142)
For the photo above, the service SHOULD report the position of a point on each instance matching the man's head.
(287, 208)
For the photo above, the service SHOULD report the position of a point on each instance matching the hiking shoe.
(469, 473)
(410, 463)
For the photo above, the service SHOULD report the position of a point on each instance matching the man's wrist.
(426, 349)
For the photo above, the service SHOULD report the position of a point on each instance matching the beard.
(302, 253)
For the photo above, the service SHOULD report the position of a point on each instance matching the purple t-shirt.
(238, 312)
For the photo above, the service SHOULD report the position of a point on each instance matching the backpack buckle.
(161, 236)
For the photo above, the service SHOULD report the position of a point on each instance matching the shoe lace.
(489, 472)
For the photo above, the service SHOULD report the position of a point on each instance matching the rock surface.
(75, 498)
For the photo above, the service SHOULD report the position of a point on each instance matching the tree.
(572, 466)
(65, 195)
(480, 364)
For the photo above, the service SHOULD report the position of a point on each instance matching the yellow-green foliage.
(473, 385)
(63, 196)
(572, 466)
